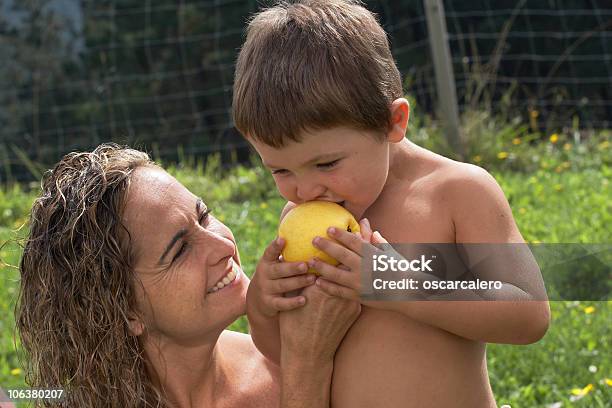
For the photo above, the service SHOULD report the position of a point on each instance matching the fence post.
(445, 78)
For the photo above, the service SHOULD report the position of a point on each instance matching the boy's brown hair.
(313, 64)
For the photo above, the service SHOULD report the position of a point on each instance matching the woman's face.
(187, 260)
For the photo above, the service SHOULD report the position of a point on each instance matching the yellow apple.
(309, 220)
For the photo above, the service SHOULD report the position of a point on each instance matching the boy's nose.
(309, 191)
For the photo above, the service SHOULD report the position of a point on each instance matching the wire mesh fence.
(158, 74)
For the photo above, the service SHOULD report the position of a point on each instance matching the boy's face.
(340, 164)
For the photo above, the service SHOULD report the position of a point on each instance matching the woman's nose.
(218, 246)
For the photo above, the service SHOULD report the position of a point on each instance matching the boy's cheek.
(285, 190)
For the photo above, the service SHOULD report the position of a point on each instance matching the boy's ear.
(135, 324)
(400, 114)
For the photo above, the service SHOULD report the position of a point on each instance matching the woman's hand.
(310, 336)
(316, 330)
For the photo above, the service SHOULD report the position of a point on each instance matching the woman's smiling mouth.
(227, 279)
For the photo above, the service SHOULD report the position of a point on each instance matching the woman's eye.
(204, 216)
(328, 165)
(279, 171)
(180, 252)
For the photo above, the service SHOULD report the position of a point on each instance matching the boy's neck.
(402, 157)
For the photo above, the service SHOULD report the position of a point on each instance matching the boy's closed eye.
(328, 165)
(324, 166)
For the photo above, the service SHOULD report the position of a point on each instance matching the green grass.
(552, 202)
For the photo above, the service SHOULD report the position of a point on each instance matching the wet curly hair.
(78, 285)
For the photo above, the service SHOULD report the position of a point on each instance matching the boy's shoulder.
(465, 195)
(446, 178)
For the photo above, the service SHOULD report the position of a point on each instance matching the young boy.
(318, 95)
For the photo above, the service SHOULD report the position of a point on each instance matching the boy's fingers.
(336, 290)
(287, 269)
(293, 283)
(284, 304)
(378, 239)
(273, 251)
(348, 239)
(366, 230)
(336, 275)
(335, 250)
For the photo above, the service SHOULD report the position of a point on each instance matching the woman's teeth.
(226, 280)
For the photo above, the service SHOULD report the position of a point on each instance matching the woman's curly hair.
(77, 285)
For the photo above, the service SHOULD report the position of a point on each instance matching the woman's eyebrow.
(180, 234)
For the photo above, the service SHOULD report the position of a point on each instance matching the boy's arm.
(519, 312)
(264, 328)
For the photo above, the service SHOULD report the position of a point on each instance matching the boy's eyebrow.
(180, 234)
(321, 157)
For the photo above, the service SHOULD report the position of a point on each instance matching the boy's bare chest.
(412, 216)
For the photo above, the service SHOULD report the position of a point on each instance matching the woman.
(127, 284)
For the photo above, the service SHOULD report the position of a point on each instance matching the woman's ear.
(135, 324)
(400, 114)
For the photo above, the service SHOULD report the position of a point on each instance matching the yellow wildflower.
(583, 391)
(567, 147)
(604, 145)
(477, 158)
(516, 141)
(554, 138)
(608, 382)
(558, 187)
(502, 155)
(522, 210)
(16, 371)
(589, 309)
(263, 205)
(535, 241)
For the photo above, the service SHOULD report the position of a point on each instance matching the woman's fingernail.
(367, 223)
(302, 267)
(316, 241)
(302, 300)
(331, 231)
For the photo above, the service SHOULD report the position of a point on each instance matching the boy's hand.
(273, 278)
(345, 280)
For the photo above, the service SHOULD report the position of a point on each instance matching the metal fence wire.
(158, 74)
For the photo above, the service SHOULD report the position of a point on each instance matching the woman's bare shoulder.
(259, 378)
